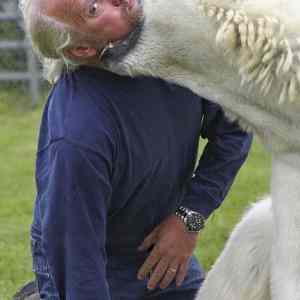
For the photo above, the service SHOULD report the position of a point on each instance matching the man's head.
(78, 30)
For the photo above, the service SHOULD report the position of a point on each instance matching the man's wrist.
(193, 221)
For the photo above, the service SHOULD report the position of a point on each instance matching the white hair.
(49, 38)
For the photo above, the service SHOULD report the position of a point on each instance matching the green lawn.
(18, 133)
(18, 130)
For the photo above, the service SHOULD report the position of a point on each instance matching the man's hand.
(170, 256)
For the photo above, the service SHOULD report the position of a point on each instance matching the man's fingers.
(149, 264)
(158, 273)
(169, 275)
(182, 273)
(149, 240)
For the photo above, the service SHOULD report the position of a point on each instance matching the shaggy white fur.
(242, 272)
(268, 55)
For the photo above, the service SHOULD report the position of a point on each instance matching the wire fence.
(17, 61)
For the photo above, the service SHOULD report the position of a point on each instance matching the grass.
(18, 134)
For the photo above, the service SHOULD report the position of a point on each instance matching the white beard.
(184, 42)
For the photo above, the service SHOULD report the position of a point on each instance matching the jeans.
(47, 289)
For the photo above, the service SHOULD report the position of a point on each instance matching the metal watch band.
(193, 220)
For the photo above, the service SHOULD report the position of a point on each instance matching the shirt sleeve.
(224, 154)
(74, 216)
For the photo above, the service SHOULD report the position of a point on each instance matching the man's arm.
(227, 148)
(225, 152)
(74, 213)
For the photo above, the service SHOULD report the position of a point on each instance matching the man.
(119, 208)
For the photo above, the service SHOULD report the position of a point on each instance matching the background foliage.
(18, 127)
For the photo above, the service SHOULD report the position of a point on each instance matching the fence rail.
(13, 45)
(32, 75)
(14, 76)
(9, 17)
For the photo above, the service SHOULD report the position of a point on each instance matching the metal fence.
(31, 75)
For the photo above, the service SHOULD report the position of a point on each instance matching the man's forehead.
(64, 10)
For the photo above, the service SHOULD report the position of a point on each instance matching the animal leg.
(242, 270)
(285, 266)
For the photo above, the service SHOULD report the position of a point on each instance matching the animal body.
(244, 55)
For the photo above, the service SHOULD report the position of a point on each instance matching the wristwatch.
(192, 220)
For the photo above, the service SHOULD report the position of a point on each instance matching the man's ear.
(82, 52)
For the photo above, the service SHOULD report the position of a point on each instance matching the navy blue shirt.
(116, 156)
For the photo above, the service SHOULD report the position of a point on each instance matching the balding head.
(73, 31)
(49, 35)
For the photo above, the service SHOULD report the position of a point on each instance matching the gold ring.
(173, 270)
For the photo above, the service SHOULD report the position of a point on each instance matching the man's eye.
(94, 9)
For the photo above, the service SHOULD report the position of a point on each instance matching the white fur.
(191, 43)
(285, 188)
(242, 272)
(179, 44)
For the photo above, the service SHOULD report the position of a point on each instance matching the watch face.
(195, 222)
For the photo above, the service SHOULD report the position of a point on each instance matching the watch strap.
(183, 213)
